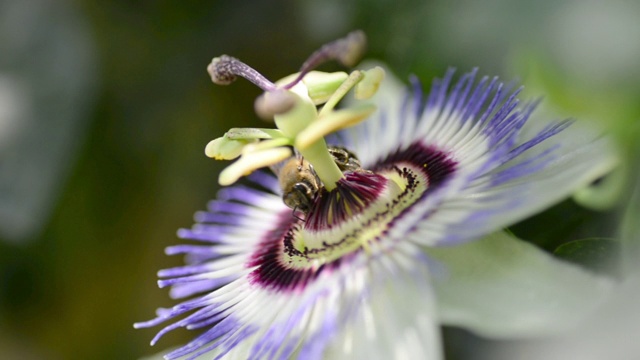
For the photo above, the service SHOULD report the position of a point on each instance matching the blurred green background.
(105, 109)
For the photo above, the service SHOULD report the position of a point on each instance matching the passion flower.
(342, 270)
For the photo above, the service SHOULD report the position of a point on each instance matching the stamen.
(295, 115)
(252, 161)
(331, 123)
(224, 69)
(346, 50)
(370, 84)
(252, 133)
(353, 79)
(223, 148)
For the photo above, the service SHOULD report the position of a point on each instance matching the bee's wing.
(279, 165)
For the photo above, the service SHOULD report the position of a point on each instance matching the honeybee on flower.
(401, 173)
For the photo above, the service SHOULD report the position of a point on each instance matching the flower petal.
(253, 304)
(501, 167)
(503, 287)
(451, 168)
(606, 335)
(398, 315)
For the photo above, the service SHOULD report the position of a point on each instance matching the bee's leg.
(294, 214)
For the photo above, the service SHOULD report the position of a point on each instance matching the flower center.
(353, 215)
(345, 210)
(351, 219)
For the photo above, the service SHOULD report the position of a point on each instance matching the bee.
(299, 182)
(345, 159)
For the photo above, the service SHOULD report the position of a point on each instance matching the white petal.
(492, 206)
(503, 173)
(396, 319)
(610, 334)
(503, 287)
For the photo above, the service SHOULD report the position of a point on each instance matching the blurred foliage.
(599, 255)
(75, 290)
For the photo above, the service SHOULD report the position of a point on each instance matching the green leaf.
(630, 226)
(503, 287)
(599, 255)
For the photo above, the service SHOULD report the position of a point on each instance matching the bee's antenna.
(301, 166)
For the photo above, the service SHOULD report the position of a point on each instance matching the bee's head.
(300, 196)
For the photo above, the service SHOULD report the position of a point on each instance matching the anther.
(225, 69)
(346, 50)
